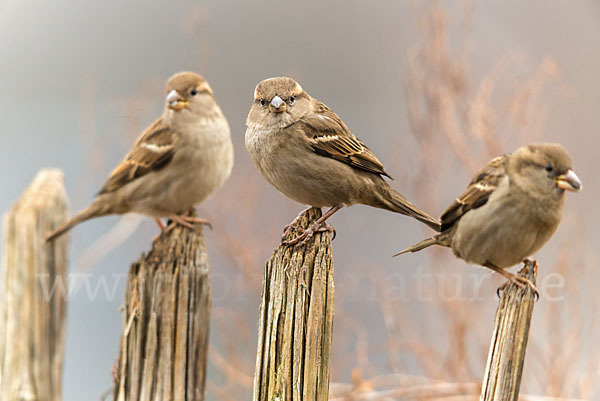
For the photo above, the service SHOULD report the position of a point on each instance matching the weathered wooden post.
(502, 378)
(296, 321)
(164, 343)
(32, 315)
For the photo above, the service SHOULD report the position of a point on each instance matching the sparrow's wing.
(152, 151)
(329, 136)
(477, 193)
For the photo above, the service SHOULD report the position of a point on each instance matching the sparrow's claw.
(175, 219)
(197, 220)
(293, 225)
(303, 238)
(160, 223)
(521, 282)
(318, 225)
(187, 221)
(166, 229)
(326, 227)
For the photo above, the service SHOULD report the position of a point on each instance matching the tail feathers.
(401, 205)
(90, 212)
(421, 245)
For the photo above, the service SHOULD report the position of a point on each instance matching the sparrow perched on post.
(510, 209)
(307, 152)
(177, 162)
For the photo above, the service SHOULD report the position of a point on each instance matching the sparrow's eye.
(262, 102)
(193, 92)
(292, 98)
(548, 167)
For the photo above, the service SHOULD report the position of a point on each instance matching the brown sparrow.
(307, 152)
(510, 209)
(177, 162)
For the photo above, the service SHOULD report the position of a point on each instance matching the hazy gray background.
(79, 80)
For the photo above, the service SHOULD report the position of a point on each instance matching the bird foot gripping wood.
(319, 225)
(175, 219)
(293, 226)
(521, 282)
(187, 221)
(307, 234)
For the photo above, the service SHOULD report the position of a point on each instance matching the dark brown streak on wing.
(330, 137)
(477, 193)
(152, 151)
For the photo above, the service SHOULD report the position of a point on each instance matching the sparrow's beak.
(277, 105)
(175, 101)
(569, 181)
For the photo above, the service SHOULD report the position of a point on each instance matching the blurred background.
(435, 88)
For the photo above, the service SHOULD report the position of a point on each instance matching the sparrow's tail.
(421, 245)
(91, 211)
(399, 204)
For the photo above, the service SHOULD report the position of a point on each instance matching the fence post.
(296, 321)
(33, 300)
(504, 368)
(164, 342)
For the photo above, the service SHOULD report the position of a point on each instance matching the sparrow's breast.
(502, 232)
(286, 160)
(202, 162)
(207, 155)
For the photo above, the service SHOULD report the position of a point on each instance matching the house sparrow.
(307, 152)
(509, 210)
(177, 162)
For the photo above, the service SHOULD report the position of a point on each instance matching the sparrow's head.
(278, 102)
(189, 91)
(546, 168)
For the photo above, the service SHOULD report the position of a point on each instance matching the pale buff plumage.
(177, 162)
(510, 209)
(307, 152)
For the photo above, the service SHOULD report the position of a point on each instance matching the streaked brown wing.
(152, 151)
(330, 137)
(477, 193)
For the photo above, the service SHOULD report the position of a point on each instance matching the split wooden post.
(32, 299)
(164, 343)
(296, 321)
(502, 378)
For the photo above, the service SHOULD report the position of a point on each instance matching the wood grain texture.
(506, 358)
(296, 321)
(32, 316)
(164, 343)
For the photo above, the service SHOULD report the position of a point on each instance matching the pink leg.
(294, 224)
(318, 225)
(161, 225)
(181, 219)
(513, 278)
(187, 221)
